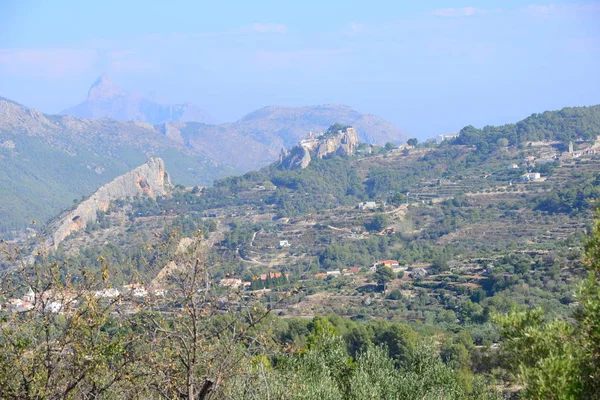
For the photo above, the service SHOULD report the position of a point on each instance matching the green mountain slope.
(48, 161)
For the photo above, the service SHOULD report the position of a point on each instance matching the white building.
(367, 205)
(136, 290)
(139, 292)
(230, 282)
(29, 296)
(110, 293)
(531, 176)
(284, 243)
(54, 307)
(441, 138)
(419, 273)
(334, 273)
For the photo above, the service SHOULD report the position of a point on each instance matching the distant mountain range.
(107, 100)
(257, 138)
(47, 161)
(273, 126)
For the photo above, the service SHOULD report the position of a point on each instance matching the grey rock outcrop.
(298, 157)
(342, 142)
(149, 179)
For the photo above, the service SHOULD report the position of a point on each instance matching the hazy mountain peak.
(104, 88)
(107, 100)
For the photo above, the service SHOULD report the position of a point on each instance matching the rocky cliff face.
(149, 179)
(298, 157)
(341, 142)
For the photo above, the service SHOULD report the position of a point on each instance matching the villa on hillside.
(389, 263)
(110, 293)
(418, 273)
(351, 271)
(367, 205)
(441, 138)
(231, 282)
(531, 176)
(136, 289)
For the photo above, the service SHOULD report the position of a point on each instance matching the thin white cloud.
(49, 63)
(134, 65)
(547, 10)
(120, 54)
(540, 10)
(312, 58)
(64, 63)
(130, 61)
(458, 12)
(266, 28)
(183, 36)
(354, 29)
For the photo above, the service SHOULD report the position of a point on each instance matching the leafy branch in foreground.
(185, 338)
(68, 334)
(558, 359)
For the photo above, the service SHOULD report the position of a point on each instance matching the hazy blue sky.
(430, 67)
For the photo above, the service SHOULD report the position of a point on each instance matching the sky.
(429, 67)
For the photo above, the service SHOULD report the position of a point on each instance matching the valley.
(428, 247)
(450, 227)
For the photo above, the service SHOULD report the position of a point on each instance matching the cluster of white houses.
(61, 301)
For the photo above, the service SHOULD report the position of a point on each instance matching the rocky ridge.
(149, 179)
(337, 140)
(86, 153)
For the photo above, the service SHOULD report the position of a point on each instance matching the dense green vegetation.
(211, 350)
(35, 196)
(38, 180)
(574, 197)
(559, 358)
(568, 124)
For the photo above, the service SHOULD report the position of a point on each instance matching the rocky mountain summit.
(149, 179)
(338, 139)
(278, 125)
(106, 100)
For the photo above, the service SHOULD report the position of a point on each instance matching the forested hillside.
(568, 124)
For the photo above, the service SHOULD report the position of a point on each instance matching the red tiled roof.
(263, 277)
